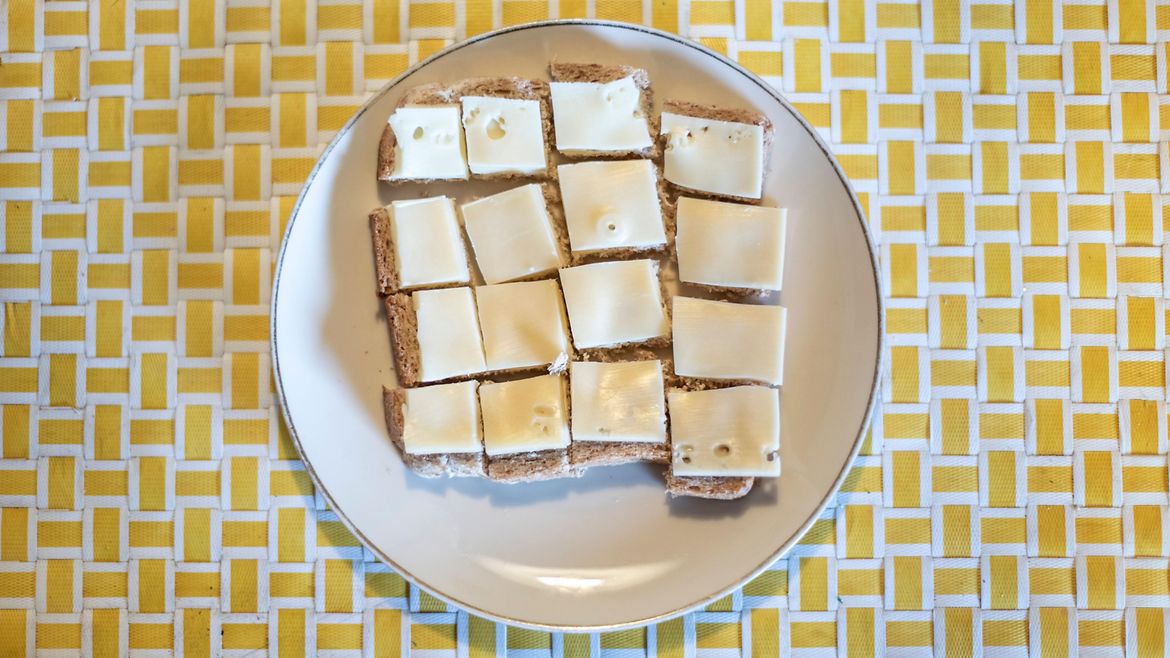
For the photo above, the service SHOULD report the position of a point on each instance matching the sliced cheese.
(619, 401)
(448, 335)
(522, 323)
(504, 135)
(428, 143)
(614, 302)
(720, 157)
(441, 419)
(722, 340)
(730, 244)
(612, 204)
(511, 234)
(524, 415)
(596, 116)
(725, 432)
(428, 246)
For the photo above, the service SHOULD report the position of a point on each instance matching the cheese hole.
(722, 450)
(772, 456)
(442, 138)
(541, 426)
(686, 459)
(496, 128)
(544, 410)
(418, 133)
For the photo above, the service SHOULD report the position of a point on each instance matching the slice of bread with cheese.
(614, 304)
(418, 244)
(618, 412)
(730, 249)
(526, 429)
(504, 131)
(435, 336)
(714, 151)
(603, 111)
(615, 209)
(518, 234)
(437, 429)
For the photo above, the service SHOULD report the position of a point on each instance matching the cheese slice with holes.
(620, 401)
(724, 340)
(595, 116)
(449, 344)
(611, 205)
(524, 415)
(511, 234)
(441, 419)
(428, 143)
(720, 157)
(504, 135)
(725, 432)
(730, 244)
(614, 302)
(522, 323)
(428, 245)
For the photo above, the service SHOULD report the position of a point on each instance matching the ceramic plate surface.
(609, 549)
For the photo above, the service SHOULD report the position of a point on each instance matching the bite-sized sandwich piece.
(523, 325)
(526, 429)
(423, 140)
(602, 110)
(417, 244)
(514, 235)
(506, 123)
(613, 208)
(715, 151)
(729, 341)
(615, 303)
(435, 335)
(619, 414)
(730, 247)
(720, 437)
(436, 428)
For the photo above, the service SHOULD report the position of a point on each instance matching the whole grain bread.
(470, 464)
(715, 113)
(531, 466)
(603, 73)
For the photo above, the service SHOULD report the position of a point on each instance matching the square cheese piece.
(719, 157)
(442, 419)
(599, 117)
(619, 401)
(428, 143)
(722, 340)
(511, 234)
(428, 246)
(448, 334)
(522, 323)
(612, 205)
(730, 244)
(504, 135)
(732, 432)
(614, 302)
(524, 415)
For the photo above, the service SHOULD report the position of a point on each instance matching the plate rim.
(875, 271)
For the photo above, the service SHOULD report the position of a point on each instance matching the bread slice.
(584, 454)
(715, 113)
(603, 73)
(643, 347)
(385, 260)
(713, 487)
(532, 466)
(429, 466)
(427, 94)
(403, 323)
(667, 202)
(556, 215)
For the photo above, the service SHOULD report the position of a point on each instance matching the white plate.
(609, 549)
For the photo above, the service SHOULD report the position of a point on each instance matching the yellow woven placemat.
(1012, 496)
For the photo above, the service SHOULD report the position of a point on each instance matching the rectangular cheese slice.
(428, 246)
(522, 323)
(730, 244)
(441, 419)
(725, 432)
(612, 205)
(504, 135)
(604, 117)
(614, 302)
(722, 340)
(524, 415)
(448, 334)
(511, 234)
(428, 143)
(719, 157)
(620, 401)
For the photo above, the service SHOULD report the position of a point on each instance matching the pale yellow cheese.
(619, 401)
(614, 302)
(441, 419)
(599, 116)
(725, 432)
(428, 246)
(504, 135)
(720, 157)
(730, 244)
(724, 340)
(611, 205)
(522, 324)
(448, 334)
(511, 234)
(524, 415)
(428, 143)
